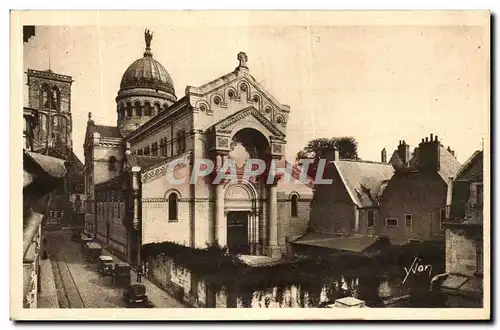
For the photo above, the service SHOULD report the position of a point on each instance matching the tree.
(319, 148)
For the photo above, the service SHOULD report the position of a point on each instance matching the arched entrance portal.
(241, 211)
(241, 200)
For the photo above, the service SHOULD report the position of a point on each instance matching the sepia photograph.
(278, 164)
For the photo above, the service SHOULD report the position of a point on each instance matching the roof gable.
(364, 181)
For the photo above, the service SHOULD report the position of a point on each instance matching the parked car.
(93, 251)
(105, 265)
(121, 275)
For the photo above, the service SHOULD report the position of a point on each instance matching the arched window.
(45, 97)
(172, 207)
(139, 152)
(112, 163)
(129, 110)
(162, 147)
(181, 141)
(294, 206)
(55, 99)
(154, 149)
(138, 109)
(146, 150)
(157, 109)
(147, 109)
(55, 122)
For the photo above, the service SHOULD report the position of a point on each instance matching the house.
(413, 204)
(344, 213)
(463, 281)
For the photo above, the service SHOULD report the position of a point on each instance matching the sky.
(377, 83)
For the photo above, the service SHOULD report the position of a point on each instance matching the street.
(77, 281)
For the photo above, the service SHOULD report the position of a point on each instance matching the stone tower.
(50, 96)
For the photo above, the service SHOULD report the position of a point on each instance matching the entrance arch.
(242, 221)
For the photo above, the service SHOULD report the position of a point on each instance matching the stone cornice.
(224, 124)
(160, 169)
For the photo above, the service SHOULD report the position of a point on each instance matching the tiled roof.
(473, 168)
(364, 180)
(449, 165)
(108, 131)
(354, 243)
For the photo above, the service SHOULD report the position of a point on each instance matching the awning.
(353, 243)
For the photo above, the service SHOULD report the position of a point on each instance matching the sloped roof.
(364, 180)
(144, 162)
(108, 131)
(353, 243)
(449, 165)
(473, 168)
(53, 167)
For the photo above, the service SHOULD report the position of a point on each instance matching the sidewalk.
(158, 297)
(47, 298)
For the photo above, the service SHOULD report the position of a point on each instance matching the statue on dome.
(148, 36)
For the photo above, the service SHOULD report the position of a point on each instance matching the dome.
(147, 72)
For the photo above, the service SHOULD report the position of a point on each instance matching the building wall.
(168, 131)
(461, 252)
(156, 226)
(421, 195)
(110, 230)
(101, 169)
(332, 209)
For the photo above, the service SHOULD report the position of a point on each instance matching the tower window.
(147, 109)
(172, 207)
(138, 109)
(294, 206)
(55, 99)
(112, 163)
(129, 110)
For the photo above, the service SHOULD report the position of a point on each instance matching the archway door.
(237, 232)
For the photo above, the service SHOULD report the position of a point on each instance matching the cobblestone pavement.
(78, 284)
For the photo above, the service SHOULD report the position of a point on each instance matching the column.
(273, 249)
(220, 217)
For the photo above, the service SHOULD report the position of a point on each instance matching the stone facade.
(49, 106)
(208, 122)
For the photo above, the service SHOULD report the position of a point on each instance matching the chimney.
(451, 151)
(333, 155)
(404, 152)
(384, 156)
(429, 154)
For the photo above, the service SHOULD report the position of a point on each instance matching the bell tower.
(50, 95)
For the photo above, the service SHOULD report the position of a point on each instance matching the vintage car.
(85, 239)
(135, 296)
(92, 251)
(121, 275)
(105, 265)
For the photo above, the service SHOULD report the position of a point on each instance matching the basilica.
(130, 199)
